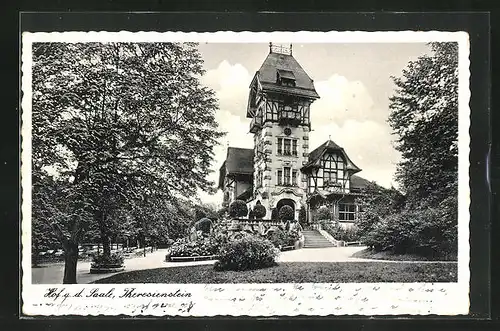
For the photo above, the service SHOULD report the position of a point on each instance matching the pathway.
(53, 273)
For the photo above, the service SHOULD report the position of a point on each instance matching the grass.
(296, 272)
(389, 256)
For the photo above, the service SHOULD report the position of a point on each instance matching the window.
(347, 212)
(280, 177)
(286, 178)
(287, 146)
(329, 177)
(294, 177)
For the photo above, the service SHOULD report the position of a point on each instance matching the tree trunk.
(70, 261)
(106, 244)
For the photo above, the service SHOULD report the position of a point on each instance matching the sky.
(353, 81)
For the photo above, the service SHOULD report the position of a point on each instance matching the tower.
(279, 101)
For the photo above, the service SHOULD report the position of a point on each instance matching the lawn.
(388, 256)
(296, 272)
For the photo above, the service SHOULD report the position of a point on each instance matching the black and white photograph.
(212, 174)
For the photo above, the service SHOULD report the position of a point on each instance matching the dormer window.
(285, 77)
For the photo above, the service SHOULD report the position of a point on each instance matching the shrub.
(221, 213)
(339, 233)
(259, 211)
(251, 214)
(302, 216)
(201, 247)
(247, 253)
(204, 225)
(323, 213)
(286, 213)
(199, 214)
(428, 232)
(114, 259)
(274, 214)
(238, 208)
(280, 238)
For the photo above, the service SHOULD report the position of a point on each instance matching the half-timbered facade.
(280, 170)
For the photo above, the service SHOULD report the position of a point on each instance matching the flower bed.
(106, 264)
(202, 248)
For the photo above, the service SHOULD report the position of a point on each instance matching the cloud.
(341, 100)
(231, 83)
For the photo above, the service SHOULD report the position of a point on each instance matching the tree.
(238, 208)
(324, 214)
(259, 211)
(286, 213)
(116, 122)
(424, 116)
(303, 216)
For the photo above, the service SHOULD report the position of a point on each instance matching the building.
(280, 169)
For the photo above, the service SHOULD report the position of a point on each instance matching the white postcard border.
(252, 299)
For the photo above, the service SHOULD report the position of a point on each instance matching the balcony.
(289, 117)
(256, 124)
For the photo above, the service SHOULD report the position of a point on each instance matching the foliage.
(259, 211)
(340, 233)
(251, 214)
(204, 225)
(424, 116)
(222, 213)
(121, 126)
(203, 246)
(274, 214)
(199, 214)
(303, 216)
(323, 213)
(286, 213)
(247, 253)
(107, 260)
(376, 204)
(238, 208)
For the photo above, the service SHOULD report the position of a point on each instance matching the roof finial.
(329, 137)
(270, 47)
(290, 48)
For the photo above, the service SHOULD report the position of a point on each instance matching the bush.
(202, 247)
(114, 259)
(251, 215)
(246, 254)
(280, 238)
(204, 225)
(274, 214)
(302, 216)
(430, 232)
(199, 214)
(286, 213)
(259, 211)
(339, 233)
(238, 208)
(323, 213)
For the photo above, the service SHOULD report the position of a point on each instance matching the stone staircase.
(314, 239)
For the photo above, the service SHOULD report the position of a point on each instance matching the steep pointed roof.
(288, 67)
(238, 161)
(329, 145)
